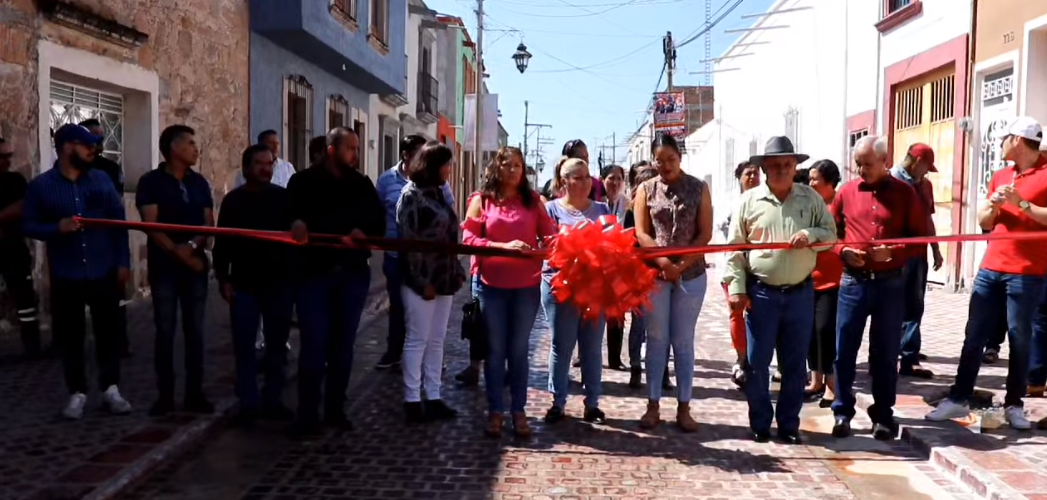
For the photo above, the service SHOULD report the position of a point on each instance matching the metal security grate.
(942, 91)
(908, 108)
(72, 103)
(299, 119)
(337, 112)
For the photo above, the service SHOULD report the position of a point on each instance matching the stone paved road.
(43, 456)
(383, 458)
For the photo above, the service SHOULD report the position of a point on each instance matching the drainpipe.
(846, 130)
(965, 253)
(882, 113)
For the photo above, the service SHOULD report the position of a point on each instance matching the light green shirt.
(762, 218)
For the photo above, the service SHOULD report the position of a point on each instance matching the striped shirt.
(390, 184)
(88, 254)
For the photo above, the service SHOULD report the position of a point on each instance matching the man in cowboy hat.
(775, 285)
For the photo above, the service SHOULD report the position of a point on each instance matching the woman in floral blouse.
(673, 210)
(430, 280)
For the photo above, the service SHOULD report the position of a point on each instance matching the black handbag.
(473, 327)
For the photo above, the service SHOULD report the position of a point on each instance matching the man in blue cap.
(88, 266)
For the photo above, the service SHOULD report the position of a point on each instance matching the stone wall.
(198, 49)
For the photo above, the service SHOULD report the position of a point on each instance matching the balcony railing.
(428, 102)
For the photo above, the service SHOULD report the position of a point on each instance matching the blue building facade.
(315, 63)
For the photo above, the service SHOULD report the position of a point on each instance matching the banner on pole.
(669, 108)
(677, 130)
(489, 134)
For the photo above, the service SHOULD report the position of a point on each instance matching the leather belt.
(782, 288)
(874, 275)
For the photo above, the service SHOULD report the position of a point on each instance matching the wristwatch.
(192, 244)
(1024, 205)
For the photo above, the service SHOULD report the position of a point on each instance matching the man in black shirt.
(16, 263)
(332, 283)
(253, 278)
(116, 174)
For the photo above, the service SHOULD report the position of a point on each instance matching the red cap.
(924, 153)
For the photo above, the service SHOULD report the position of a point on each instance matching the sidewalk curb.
(187, 438)
(948, 460)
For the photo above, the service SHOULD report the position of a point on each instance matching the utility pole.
(527, 107)
(614, 147)
(477, 137)
(669, 51)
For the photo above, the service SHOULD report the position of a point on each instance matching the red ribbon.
(598, 265)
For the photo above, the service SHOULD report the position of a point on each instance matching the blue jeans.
(879, 301)
(993, 292)
(329, 309)
(397, 327)
(171, 290)
(570, 329)
(273, 307)
(671, 320)
(1038, 356)
(783, 320)
(509, 314)
(637, 336)
(915, 290)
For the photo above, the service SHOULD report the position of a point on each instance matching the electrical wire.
(699, 28)
(615, 4)
(588, 13)
(712, 24)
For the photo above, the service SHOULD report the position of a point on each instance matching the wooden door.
(924, 112)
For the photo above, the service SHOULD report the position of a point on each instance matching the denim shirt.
(390, 185)
(425, 215)
(91, 253)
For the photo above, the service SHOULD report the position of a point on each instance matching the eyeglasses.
(510, 166)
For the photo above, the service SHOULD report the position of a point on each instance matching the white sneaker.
(115, 402)
(1016, 417)
(948, 410)
(75, 409)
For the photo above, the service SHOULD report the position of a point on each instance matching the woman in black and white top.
(430, 280)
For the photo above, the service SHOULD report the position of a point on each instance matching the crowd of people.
(809, 304)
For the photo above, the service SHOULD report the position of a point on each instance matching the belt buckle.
(872, 275)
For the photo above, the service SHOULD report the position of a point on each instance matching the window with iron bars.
(73, 104)
(893, 5)
(299, 119)
(347, 8)
(337, 112)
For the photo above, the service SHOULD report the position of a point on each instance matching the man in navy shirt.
(175, 194)
(16, 264)
(89, 266)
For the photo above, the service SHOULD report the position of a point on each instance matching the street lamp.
(522, 57)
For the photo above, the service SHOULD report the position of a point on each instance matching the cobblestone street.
(383, 458)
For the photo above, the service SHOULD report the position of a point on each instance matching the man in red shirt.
(1011, 277)
(876, 206)
(919, 160)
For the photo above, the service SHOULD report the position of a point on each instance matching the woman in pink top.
(507, 214)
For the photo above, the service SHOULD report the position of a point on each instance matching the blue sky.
(617, 45)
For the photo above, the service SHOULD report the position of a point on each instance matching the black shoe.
(761, 436)
(812, 396)
(554, 415)
(469, 377)
(790, 437)
(306, 430)
(414, 412)
(916, 372)
(617, 366)
(921, 357)
(436, 409)
(991, 356)
(636, 378)
(338, 420)
(162, 407)
(594, 416)
(738, 376)
(277, 413)
(882, 432)
(842, 428)
(198, 404)
(577, 363)
(387, 361)
(246, 417)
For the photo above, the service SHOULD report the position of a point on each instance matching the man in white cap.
(1011, 277)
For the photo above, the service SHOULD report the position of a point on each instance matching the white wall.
(800, 67)
(941, 21)
(861, 45)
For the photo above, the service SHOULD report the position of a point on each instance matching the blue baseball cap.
(75, 133)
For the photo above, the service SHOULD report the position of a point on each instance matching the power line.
(637, 3)
(710, 26)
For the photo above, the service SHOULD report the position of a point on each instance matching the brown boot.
(520, 426)
(494, 425)
(652, 417)
(684, 420)
(1035, 391)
